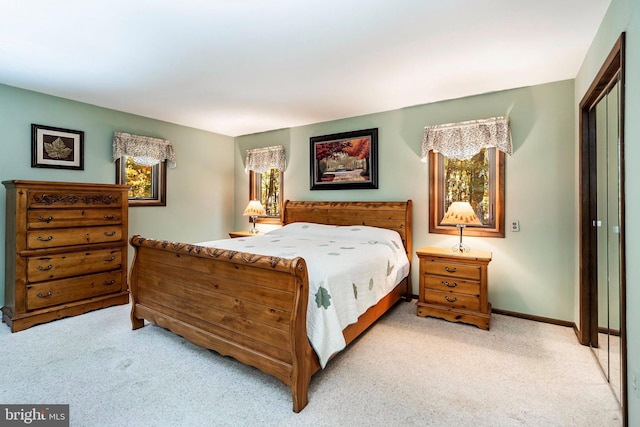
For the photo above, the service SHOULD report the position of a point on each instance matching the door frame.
(588, 328)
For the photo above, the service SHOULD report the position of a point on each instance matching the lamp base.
(254, 230)
(460, 248)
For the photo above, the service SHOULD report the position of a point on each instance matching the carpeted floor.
(404, 371)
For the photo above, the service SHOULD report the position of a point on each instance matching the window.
(141, 162)
(148, 183)
(466, 163)
(478, 180)
(265, 167)
(267, 187)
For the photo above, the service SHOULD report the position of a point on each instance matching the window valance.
(144, 150)
(463, 140)
(262, 159)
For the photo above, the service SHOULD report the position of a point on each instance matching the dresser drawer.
(72, 264)
(452, 299)
(52, 238)
(452, 285)
(73, 199)
(451, 269)
(58, 218)
(63, 291)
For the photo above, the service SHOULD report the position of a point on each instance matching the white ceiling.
(244, 66)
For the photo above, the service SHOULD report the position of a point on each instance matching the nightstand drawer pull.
(39, 295)
(450, 270)
(48, 267)
(108, 283)
(109, 217)
(107, 259)
(109, 234)
(47, 220)
(450, 285)
(43, 239)
(454, 299)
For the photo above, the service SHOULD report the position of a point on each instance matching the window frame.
(254, 194)
(159, 178)
(496, 197)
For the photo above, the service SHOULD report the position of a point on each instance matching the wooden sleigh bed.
(248, 306)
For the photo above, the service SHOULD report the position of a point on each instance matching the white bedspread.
(350, 269)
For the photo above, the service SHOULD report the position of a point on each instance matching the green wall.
(532, 270)
(632, 180)
(199, 189)
(624, 16)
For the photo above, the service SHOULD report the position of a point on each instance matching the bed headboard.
(392, 215)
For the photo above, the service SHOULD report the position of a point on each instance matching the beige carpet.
(404, 371)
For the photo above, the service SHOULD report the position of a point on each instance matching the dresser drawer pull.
(450, 285)
(48, 267)
(454, 299)
(43, 239)
(109, 217)
(107, 259)
(109, 234)
(108, 283)
(47, 219)
(39, 295)
(450, 270)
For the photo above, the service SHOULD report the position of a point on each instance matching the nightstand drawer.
(452, 285)
(451, 269)
(452, 299)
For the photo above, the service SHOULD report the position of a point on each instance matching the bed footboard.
(250, 307)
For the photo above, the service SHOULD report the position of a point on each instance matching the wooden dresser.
(453, 286)
(65, 250)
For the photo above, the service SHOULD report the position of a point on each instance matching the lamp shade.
(460, 213)
(254, 208)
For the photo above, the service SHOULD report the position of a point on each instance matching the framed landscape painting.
(347, 160)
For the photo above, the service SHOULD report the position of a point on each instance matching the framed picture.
(56, 148)
(347, 160)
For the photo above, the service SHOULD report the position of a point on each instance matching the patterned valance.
(262, 159)
(144, 150)
(463, 140)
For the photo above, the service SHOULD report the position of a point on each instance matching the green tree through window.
(268, 187)
(479, 181)
(147, 183)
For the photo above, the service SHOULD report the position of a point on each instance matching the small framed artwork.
(56, 148)
(347, 160)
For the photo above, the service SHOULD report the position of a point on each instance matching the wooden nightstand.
(234, 234)
(453, 286)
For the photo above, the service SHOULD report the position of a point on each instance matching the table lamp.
(253, 210)
(460, 214)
